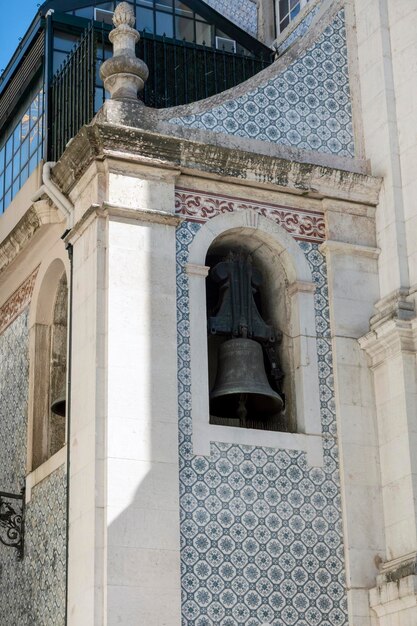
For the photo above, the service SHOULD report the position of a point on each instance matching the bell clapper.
(242, 411)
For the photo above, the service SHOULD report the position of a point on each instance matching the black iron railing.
(72, 94)
(179, 73)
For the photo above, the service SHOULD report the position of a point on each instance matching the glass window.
(288, 11)
(34, 139)
(16, 137)
(165, 5)
(184, 28)
(25, 124)
(59, 59)
(203, 33)
(7, 198)
(33, 163)
(106, 6)
(23, 139)
(24, 175)
(24, 152)
(64, 42)
(9, 149)
(164, 24)
(144, 20)
(182, 9)
(16, 165)
(87, 12)
(16, 186)
(8, 176)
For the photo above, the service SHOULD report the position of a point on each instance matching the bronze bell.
(59, 405)
(241, 389)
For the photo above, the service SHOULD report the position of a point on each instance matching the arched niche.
(47, 359)
(290, 303)
(273, 304)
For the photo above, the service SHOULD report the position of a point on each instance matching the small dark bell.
(59, 405)
(242, 390)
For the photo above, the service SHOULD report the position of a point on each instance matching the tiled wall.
(261, 531)
(32, 591)
(307, 105)
(243, 13)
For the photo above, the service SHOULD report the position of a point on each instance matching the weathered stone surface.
(100, 141)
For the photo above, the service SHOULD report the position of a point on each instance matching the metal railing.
(179, 73)
(72, 93)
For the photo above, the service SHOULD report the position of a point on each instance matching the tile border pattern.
(197, 206)
(17, 301)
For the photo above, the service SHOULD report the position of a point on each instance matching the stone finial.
(124, 14)
(124, 74)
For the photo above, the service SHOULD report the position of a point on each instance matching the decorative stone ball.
(124, 14)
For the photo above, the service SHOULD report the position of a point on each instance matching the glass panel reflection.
(21, 151)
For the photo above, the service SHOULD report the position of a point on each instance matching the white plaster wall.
(357, 431)
(403, 34)
(387, 52)
(143, 568)
(124, 495)
(87, 440)
(386, 34)
(353, 289)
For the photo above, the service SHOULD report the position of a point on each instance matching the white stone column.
(124, 523)
(87, 515)
(353, 288)
(143, 567)
(392, 349)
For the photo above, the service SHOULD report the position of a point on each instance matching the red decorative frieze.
(17, 301)
(200, 206)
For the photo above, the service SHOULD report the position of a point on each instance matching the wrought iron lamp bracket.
(12, 513)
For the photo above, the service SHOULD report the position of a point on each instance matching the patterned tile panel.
(307, 105)
(14, 373)
(243, 13)
(200, 206)
(32, 590)
(45, 550)
(261, 531)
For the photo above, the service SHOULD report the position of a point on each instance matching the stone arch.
(266, 238)
(47, 355)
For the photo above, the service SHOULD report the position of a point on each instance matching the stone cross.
(124, 75)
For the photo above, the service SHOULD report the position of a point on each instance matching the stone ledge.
(123, 143)
(40, 213)
(393, 597)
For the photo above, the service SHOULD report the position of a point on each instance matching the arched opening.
(287, 303)
(58, 369)
(48, 364)
(246, 297)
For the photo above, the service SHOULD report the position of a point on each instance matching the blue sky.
(14, 23)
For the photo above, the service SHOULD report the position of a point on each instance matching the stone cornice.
(351, 249)
(107, 210)
(394, 596)
(101, 141)
(39, 214)
(390, 338)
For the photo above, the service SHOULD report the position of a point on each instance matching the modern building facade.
(207, 315)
